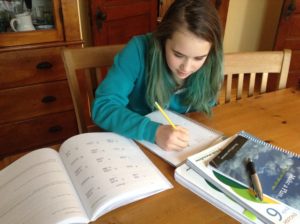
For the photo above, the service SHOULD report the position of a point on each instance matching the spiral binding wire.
(259, 141)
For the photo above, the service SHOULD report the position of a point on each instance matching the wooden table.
(273, 117)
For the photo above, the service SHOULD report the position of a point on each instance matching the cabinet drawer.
(31, 101)
(37, 133)
(25, 67)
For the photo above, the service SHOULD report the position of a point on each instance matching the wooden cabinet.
(288, 36)
(115, 22)
(35, 101)
(38, 36)
(221, 6)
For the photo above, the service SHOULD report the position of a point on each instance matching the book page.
(200, 137)
(109, 171)
(36, 189)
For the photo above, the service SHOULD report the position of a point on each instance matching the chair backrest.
(85, 69)
(244, 67)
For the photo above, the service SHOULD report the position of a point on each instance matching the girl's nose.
(185, 65)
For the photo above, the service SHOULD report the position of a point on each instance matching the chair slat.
(264, 81)
(228, 88)
(285, 69)
(240, 85)
(251, 84)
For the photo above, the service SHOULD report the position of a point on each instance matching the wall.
(251, 25)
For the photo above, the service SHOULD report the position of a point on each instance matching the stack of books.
(219, 175)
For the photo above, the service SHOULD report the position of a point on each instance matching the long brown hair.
(200, 18)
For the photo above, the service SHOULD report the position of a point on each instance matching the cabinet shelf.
(36, 101)
(37, 36)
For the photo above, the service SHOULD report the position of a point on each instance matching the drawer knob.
(100, 18)
(48, 99)
(55, 129)
(44, 65)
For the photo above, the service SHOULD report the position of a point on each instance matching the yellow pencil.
(164, 114)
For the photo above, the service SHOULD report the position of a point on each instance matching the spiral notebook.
(201, 137)
(269, 210)
(278, 169)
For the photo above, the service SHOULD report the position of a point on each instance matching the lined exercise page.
(109, 171)
(36, 189)
(200, 137)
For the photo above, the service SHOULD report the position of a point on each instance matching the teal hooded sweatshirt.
(120, 103)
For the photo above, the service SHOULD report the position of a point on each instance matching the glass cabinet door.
(30, 22)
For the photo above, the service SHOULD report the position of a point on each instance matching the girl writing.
(179, 66)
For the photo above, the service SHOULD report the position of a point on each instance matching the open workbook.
(201, 137)
(91, 175)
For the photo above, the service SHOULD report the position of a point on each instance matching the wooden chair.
(242, 68)
(85, 69)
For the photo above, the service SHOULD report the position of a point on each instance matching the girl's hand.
(171, 139)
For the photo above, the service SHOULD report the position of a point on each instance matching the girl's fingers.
(171, 139)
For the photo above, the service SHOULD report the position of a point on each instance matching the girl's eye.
(199, 58)
(178, 55)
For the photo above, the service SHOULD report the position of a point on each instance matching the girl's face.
(185, 53)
